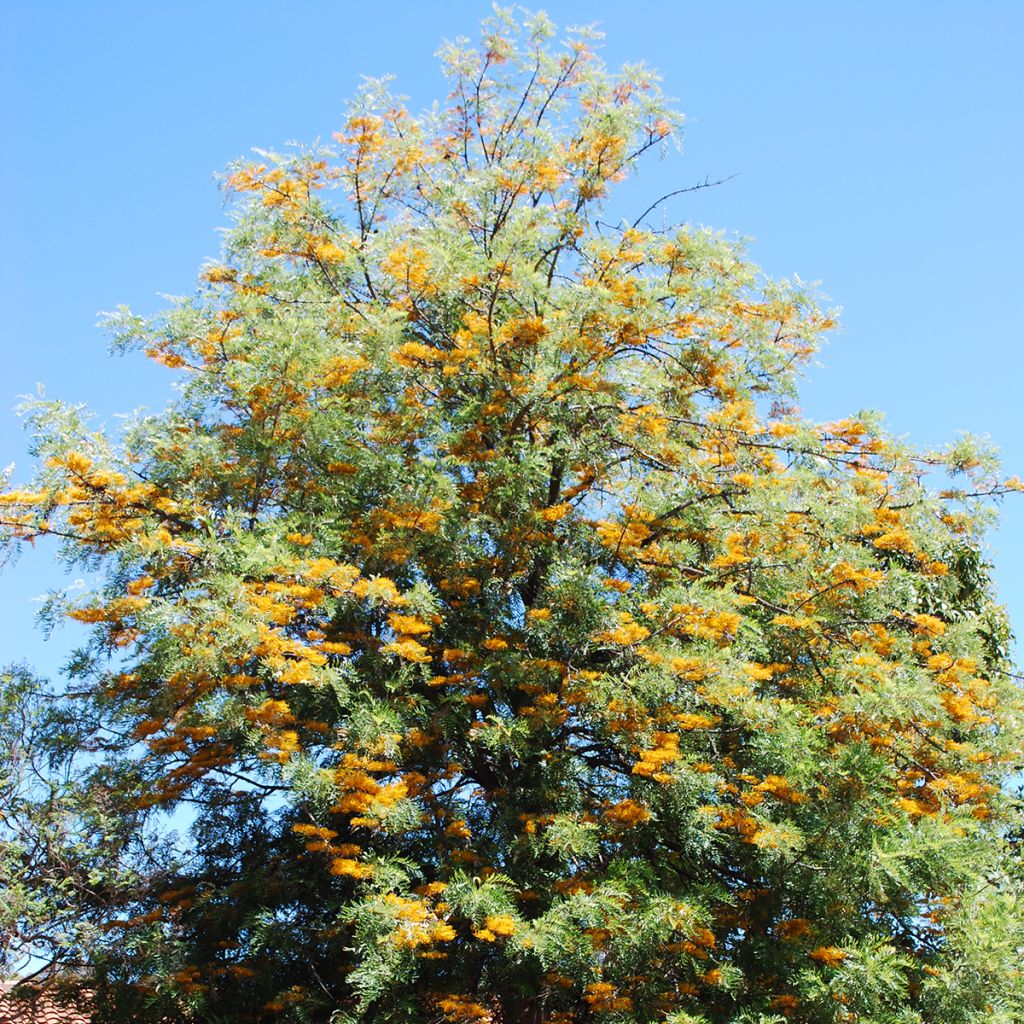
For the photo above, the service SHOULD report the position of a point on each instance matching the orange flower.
(831, 956)
(627, 813)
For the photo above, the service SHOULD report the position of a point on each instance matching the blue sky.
(877, 149)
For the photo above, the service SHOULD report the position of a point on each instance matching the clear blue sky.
(878, 147)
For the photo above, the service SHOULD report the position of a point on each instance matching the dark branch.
(681, 191)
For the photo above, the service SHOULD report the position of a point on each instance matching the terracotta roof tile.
(40, 1010)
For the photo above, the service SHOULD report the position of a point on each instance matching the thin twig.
(681, 191)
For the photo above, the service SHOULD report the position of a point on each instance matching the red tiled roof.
(41, 1009)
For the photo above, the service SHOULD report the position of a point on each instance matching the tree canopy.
(483, 635)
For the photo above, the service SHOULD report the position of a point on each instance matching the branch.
(681, 191)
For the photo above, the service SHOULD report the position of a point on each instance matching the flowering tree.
(504, 641)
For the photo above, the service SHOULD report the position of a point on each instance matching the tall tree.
(502, 640)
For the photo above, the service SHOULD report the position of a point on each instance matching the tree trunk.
(519, 1009)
